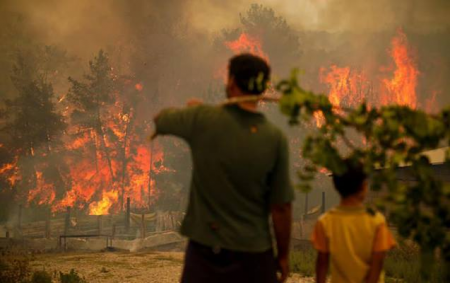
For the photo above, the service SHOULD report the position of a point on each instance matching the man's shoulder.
(274, 130)
(208, 109)
(204, 108)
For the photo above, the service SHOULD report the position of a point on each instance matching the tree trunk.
(150, 174)
(124, 161)
(105, 148)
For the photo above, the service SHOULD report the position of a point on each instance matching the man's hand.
(283, 267)
(194, 102)
(282, 221)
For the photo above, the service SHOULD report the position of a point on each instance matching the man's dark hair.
(351, 181)
(251, 73)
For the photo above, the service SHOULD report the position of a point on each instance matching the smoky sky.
(84, 26)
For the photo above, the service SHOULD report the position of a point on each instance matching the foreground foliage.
(382, 139)
(15, 267)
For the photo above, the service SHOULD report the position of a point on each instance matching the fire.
(43, 193)
(102, 207)
(107, 165)
(319, 118)
(338, 80)
(139, 87)
(401, 89)
(110, 165)
(348, 87)
(7, 167)
(247, 43)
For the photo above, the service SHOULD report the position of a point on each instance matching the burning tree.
(108, 155)
(279, 40)
(33, 128)
(90, 101)
(263, 33)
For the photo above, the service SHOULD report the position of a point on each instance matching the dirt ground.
(152, 267)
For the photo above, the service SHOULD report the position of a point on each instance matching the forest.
(75, 118)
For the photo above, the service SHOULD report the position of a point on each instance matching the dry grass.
(152, 267)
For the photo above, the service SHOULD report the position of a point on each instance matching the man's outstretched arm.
(282, 223)
(179, 122)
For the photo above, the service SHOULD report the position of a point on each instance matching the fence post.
(143, 226)
(47, 226)
(127, 216)
(67, 222)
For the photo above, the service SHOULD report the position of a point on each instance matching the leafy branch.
(386, 138)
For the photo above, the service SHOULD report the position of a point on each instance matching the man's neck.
(249, 106)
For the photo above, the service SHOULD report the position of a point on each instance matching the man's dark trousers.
(207, 265)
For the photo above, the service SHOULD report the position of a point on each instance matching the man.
(240, 178)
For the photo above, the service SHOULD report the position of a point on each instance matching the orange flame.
(43, 193)
(246, 43)
(401, 89)
(7, 167)
(102, 206)
(346, 88)
(319, 118)
(98, 174)
(139, 87)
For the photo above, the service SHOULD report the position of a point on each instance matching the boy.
(353, 238)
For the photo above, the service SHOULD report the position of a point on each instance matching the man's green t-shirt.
(240, 168)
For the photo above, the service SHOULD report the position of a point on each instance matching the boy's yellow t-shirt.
(350, 235)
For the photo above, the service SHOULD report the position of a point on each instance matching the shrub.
(71, 277)
(41, 276)
(14, 268)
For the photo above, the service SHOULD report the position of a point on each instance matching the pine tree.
(90, 99)
(32, 125)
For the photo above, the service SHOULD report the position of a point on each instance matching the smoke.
(88, 25)
(331, 15)
(167, 47)
(381, 15)
(83, 27)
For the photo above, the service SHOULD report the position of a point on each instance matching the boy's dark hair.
(351, 181)
(251, 73)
